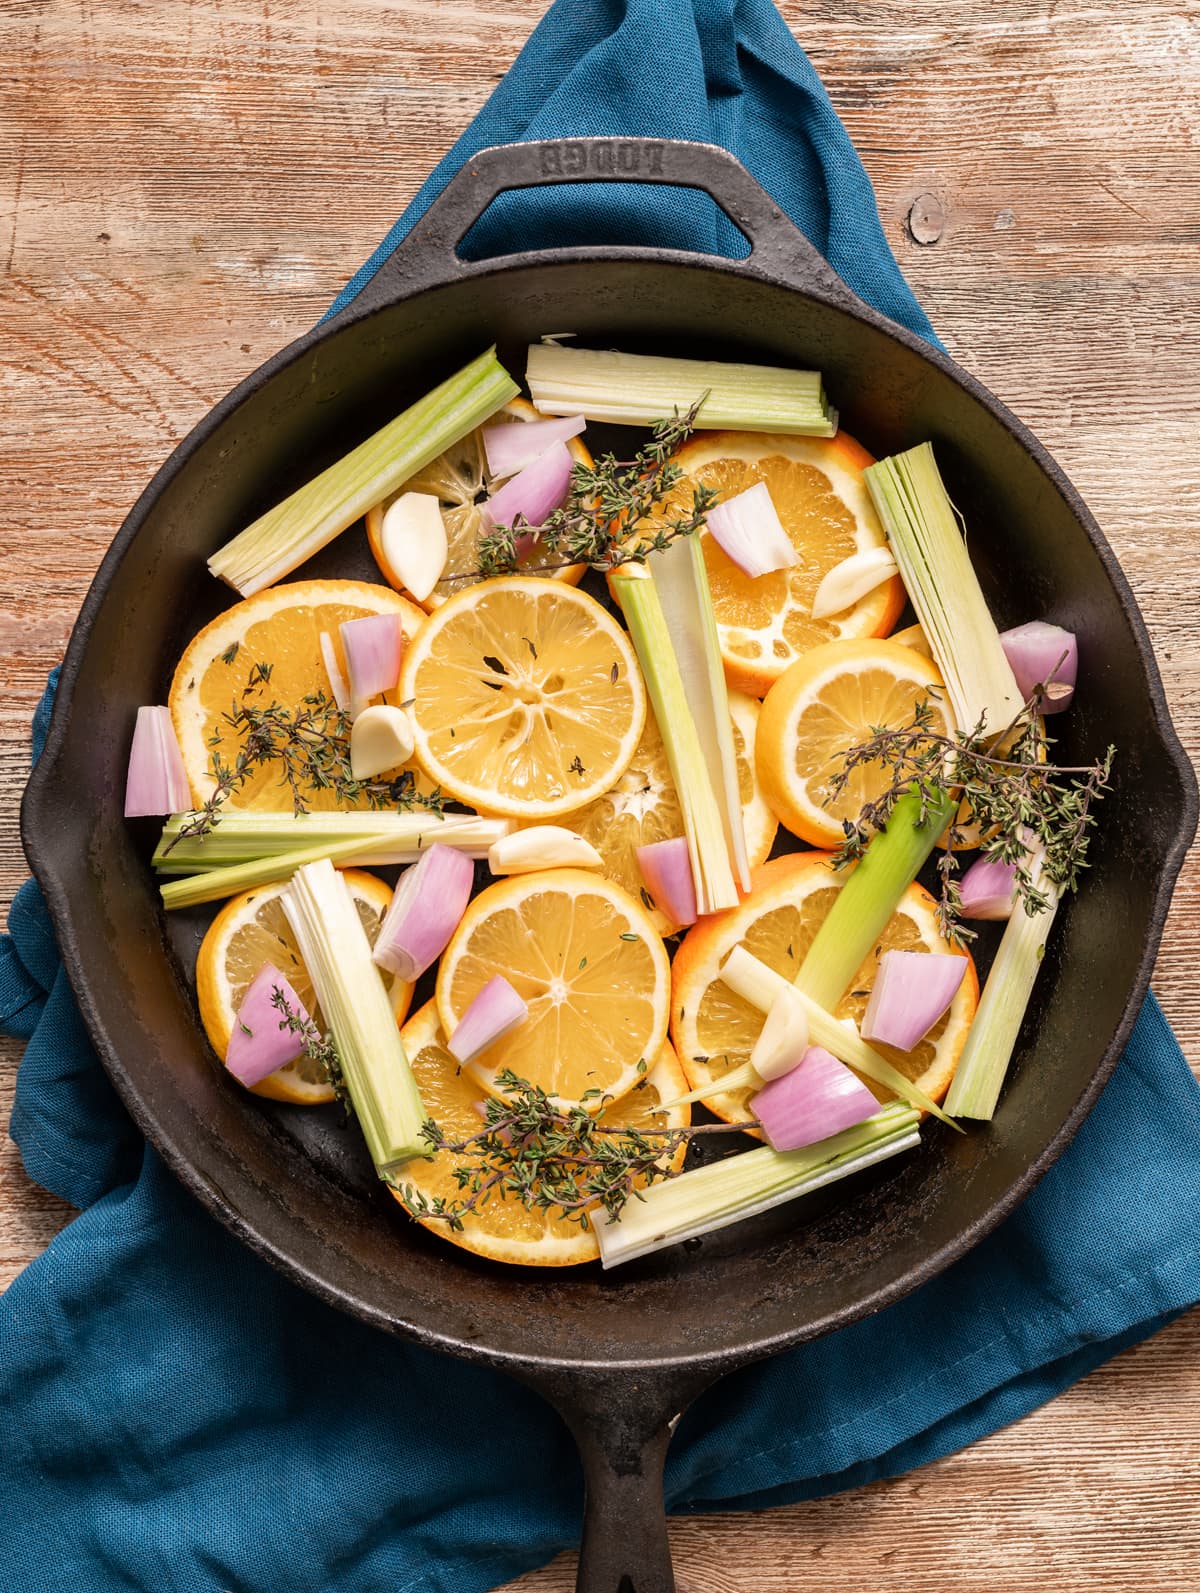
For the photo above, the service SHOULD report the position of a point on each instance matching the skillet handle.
(428, 256)
(622, 1423)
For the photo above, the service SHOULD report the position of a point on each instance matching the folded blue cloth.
(178, 1416)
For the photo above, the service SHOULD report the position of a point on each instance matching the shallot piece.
(413, 539)
(987, 889)
(373, 647)
(426, 908)
(262, 1040)
(534, 493)
(783, 1039)
(338, 689)
(852, 579)
(156, 784)
(512, 445)
(667, 869)
(495, 1010)
(381, 738)
(818, 1098)
(748, 530)
(911, 992)
(542, 846)
(1043, 658)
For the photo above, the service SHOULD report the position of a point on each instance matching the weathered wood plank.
(183, 189)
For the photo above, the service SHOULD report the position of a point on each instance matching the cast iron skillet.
(621, 1354)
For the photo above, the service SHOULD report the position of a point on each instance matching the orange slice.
(252, 930)
(765, 623)
(589, 963)
(525, 697)
(824, 704)
(502, 1229)
(281, 628)
(459, 479)
(714, 1030)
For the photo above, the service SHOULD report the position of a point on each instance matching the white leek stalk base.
(352, 996)
(743, 1185)
(382, 837)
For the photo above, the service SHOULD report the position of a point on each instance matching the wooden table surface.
(184, 188)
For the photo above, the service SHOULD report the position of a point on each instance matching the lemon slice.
(591, 967)
(642, 807)
(525, 697)
(502, 1228)
(252, 930)
(280, 628)
(764, 623)
(459, 479)
(714, 1030)
(830, 700)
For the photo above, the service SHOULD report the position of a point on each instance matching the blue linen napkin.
(180, 1416)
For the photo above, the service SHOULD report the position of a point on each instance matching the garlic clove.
(783, 1038)
(381, 738)
(542, 846)
(413, 538)
(851, 579)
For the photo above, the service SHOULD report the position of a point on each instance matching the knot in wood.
(926, 219)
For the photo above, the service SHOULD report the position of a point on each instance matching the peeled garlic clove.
(413, 537)
(851, 579)
(542, 846)
(381, 738)
(783, 1038)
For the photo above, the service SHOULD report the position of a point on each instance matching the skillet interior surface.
(296, 1185)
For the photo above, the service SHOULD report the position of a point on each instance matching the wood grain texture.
(184, 188)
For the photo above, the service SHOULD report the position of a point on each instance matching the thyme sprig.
(310, 747)
(320, 1047)
(1007, 787)
(550, 1158)
(614, 511)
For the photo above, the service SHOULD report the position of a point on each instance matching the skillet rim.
(55, 879)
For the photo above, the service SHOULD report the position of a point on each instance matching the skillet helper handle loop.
(428, 256)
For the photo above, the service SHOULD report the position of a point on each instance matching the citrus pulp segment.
(525, 696)
(591, 967)
(459, 479)
(764, 623)
(252, 930)
(281, 629)
(824, 704)
(714, 1030)
(503, 1229)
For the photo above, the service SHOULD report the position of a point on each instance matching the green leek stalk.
(218, 883)
(351, 993)
(639, 389)
(927, 543)
(997, 1022)
(243, 835)
(740, 1186)
(703, 824)
(871, 895)
(749, 977)
(312, 516)
(681, 579)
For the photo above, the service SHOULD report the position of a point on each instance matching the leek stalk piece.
(703, 821)
(312, 516)
(243, 835)
(335, 951)
(751, 979)
(997, 1022)
(639, 389)
(871, 895)
(680, 576)
(742, 1185)
(927, 542)
(195, 889)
